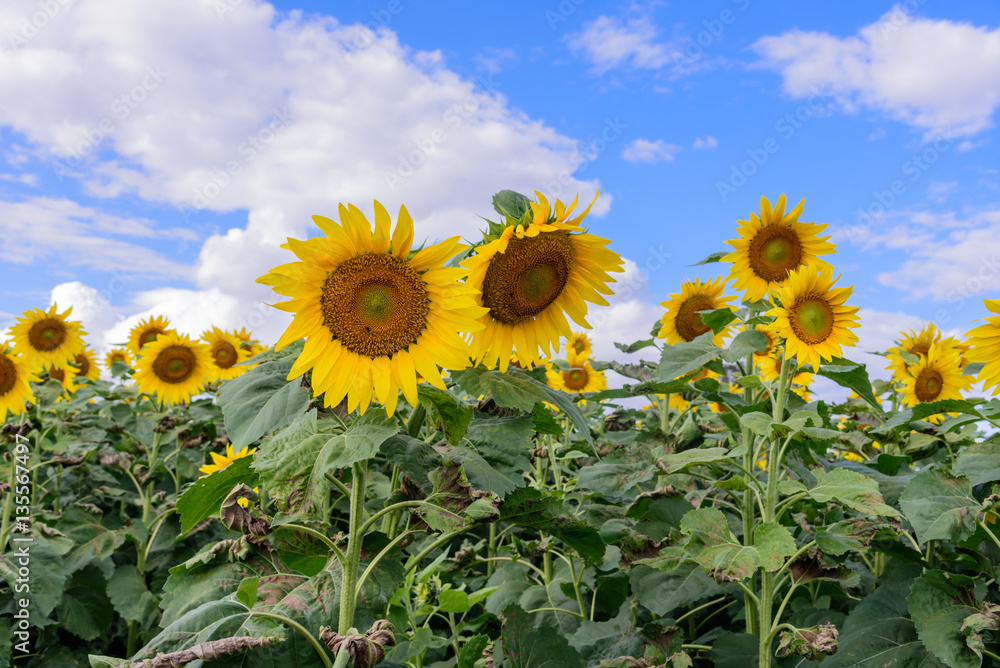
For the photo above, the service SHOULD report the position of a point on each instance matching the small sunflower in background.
(65, 376)
(936, 377)
(770, 369)
(580, 344)
(146, 332)
(47, 338)
(984, 347)
(226, 353)
(773, 342)
(173, 367)
(534, 273)
(581, 377)
(15, 379)
(682, 321)
(914, 343)
(86, 365)
(219, 462)
(374, 315)
(813, 317)
(772, 246)
(123, 355)
(243, 335)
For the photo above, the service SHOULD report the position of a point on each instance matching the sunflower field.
(428, 469)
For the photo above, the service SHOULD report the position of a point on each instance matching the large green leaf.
(131, 598)
(615, 477)
(745, 343)
(736, 650)
(616, 637)
(680, 461)
(681, 358)
(261, 401)
(84, 610)
(204, 498)
(852, 376)
(921, 411)
(979, 462)
(445, 412)
(528, 507)
(663, 592)
(852, 489)
(711, 543)
(48, 574)
(940, 506)
(939, 603)
(878, 633)
(526, 646)
(856, 533)
(94, 544)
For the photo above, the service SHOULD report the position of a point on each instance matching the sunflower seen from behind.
(580, 377)
(984, 347)
(173, 367)
(15, 383)
(373, 312)
(936, 377)
(813, 317)
(682, 320)
(226, 352)
(772, 246)
(146, 332)
(47, 338)
(531, 274)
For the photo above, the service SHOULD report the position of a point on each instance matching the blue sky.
(115, 144)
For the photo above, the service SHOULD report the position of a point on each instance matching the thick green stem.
(343, 658)
(491, 549)
(8, 504)
(348, 599)
(390, 522)
(747, 439)
(415, 560)
(416, 420)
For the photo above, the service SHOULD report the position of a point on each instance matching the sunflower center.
(579, 346)
(175, 364)
(774, 252)
(521, 282)
(224, 354)
(149, 335)
(57, 374)
(47, 334)
(8, 375)
(920, 349)
(375, 304)
(928, 385)
(83, 363)
(688, 322)
(812, 319)
(575, 379)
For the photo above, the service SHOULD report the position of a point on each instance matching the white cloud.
(643, 150)
(938, 191)
(934, 75)
(707, 142)
(609, 42)
(281, 116)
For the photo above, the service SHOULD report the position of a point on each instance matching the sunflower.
(770, 369)
(581, 377)
(682, 321)
(65, 376)
(540, 269)
(913, 343)
(15, 376)
(579, 343)
(220, 462)
(772, 342)
(243, 335)
(173, 367)
(123, 355)
(226, 353)
(772, 246)
(373, 314)
(47, 338)
(813, 318)
(984, 342)
(936, 377)
(147, 331)
(86, 365)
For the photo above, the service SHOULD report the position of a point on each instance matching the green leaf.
(636, 346)
(852, 489)
(472, 651)
(878, 633)
(445, 412)
(939, 603)
(663, 592)
(131, 598)
(528, 647)
(920, 411)
(856, 533)
(682, 460)
(511, 204)
(48, 573)
(261, 401)
(615, 477)
(736, 650)
(852, 376)
(452, 600)
(714, 257)
(718, 319)
(482, 474)
(204, 497)
(744, 344)
(940, 506)
(95, 544)
(247, 591)
(528, 507)
(681, 358)
(979, 462)
(84, 610)
(616, 637)
(711, 543)
(758, 422)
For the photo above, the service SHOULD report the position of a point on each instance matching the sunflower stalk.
(348, 600)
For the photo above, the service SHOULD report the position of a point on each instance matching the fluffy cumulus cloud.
(226, 106)
(609, 42)
(644, 150)
(937, 76)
